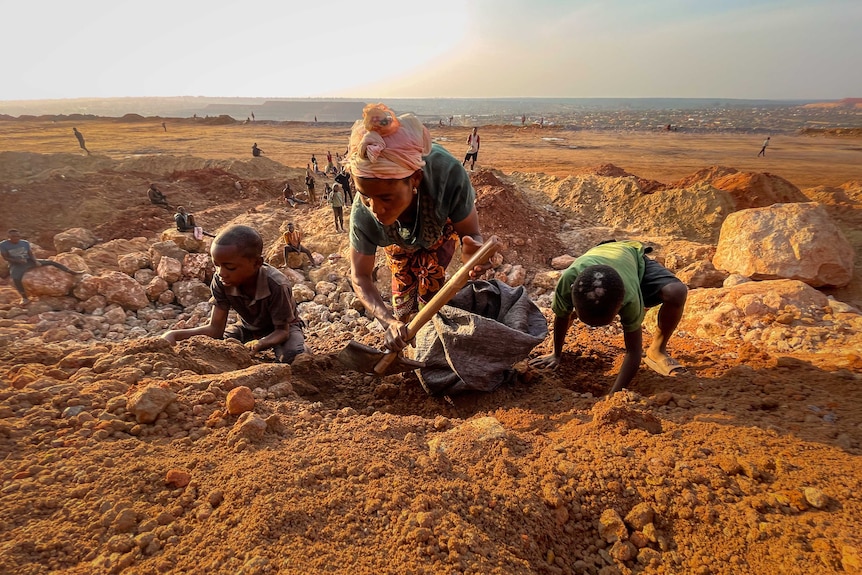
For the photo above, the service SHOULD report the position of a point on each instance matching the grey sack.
(473, 343)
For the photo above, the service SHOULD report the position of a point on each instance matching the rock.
(74, 238)
(239, 400)
(87, 287)
(640, 515)
(169, 269)
(121, 289)
(815, 497)
(302, 293)
(156, 287)
(198, 267)
(546, 281)
(48, 281)
(177, 478)
(103, 257)
(623, 551)
(562, 262)
(702, 274)
(115, 315)
(73, 261)
(93, 303)
(791, 241)
(166, 297)
(169, 248)
(192, 292)
(147, 404)
(184, 240)
(249, 426)
(516, 276)
(298, 260)
(144, 276)
(611, 526)
(131, 263)
(734, 280)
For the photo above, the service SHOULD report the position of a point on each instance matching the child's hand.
(252, 345)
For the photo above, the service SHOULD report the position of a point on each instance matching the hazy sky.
(776, 49)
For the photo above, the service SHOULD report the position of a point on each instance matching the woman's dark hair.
(597, 294)
(246, 239)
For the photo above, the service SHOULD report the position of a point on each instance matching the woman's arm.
(361, 268)
(471, 241)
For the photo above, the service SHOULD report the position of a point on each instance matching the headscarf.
(385, 147)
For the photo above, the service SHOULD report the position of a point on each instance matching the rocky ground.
(122, 454)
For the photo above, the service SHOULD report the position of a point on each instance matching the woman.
(414, 200)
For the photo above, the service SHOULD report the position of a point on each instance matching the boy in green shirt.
(616, 278)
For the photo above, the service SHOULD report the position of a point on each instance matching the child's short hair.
(597, 294)
(246, 239)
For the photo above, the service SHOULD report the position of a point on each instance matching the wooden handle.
(441, 298)
(451, 287)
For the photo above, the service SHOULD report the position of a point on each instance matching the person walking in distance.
(763, 147)
(80, 137)
(472, 149)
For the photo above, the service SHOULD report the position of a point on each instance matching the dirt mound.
(529, 234)
(746, 464)
(756, 190)
(704, 176)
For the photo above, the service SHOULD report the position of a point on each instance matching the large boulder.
(104, 257)
(123, 290)
(790, 241)
(73, 261)
(48, 281)
(74, 238)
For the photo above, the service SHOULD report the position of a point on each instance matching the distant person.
(157, 198)
(472, 148)
(343, 178)
(309, 187)
(80, 137)
(252, 116)
(763, 147)
(164, 127)
(289, 197)
(314, 163)
(255, 151)
(616, 278)
(523, 119)
(186, 223)
(293, 243)
(450, 119)
(19, 255)
(336, 200)
(260, 294)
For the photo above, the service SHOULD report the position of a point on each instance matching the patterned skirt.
(419, 274)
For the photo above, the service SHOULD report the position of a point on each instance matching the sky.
(769, 49)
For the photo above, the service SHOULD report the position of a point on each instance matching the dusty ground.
(748, 464)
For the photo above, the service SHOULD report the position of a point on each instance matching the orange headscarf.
(385, 147)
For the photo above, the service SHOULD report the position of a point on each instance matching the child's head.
(597, 294)
(14, 235)
(237, 255)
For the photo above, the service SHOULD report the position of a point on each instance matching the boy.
(20, 257)
(617, 278)
(259, 293)
(293, 243)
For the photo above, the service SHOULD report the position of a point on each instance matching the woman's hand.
(470, 246)
(549, 361)
(396, 335)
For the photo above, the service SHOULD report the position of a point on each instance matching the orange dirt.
(747, 464)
